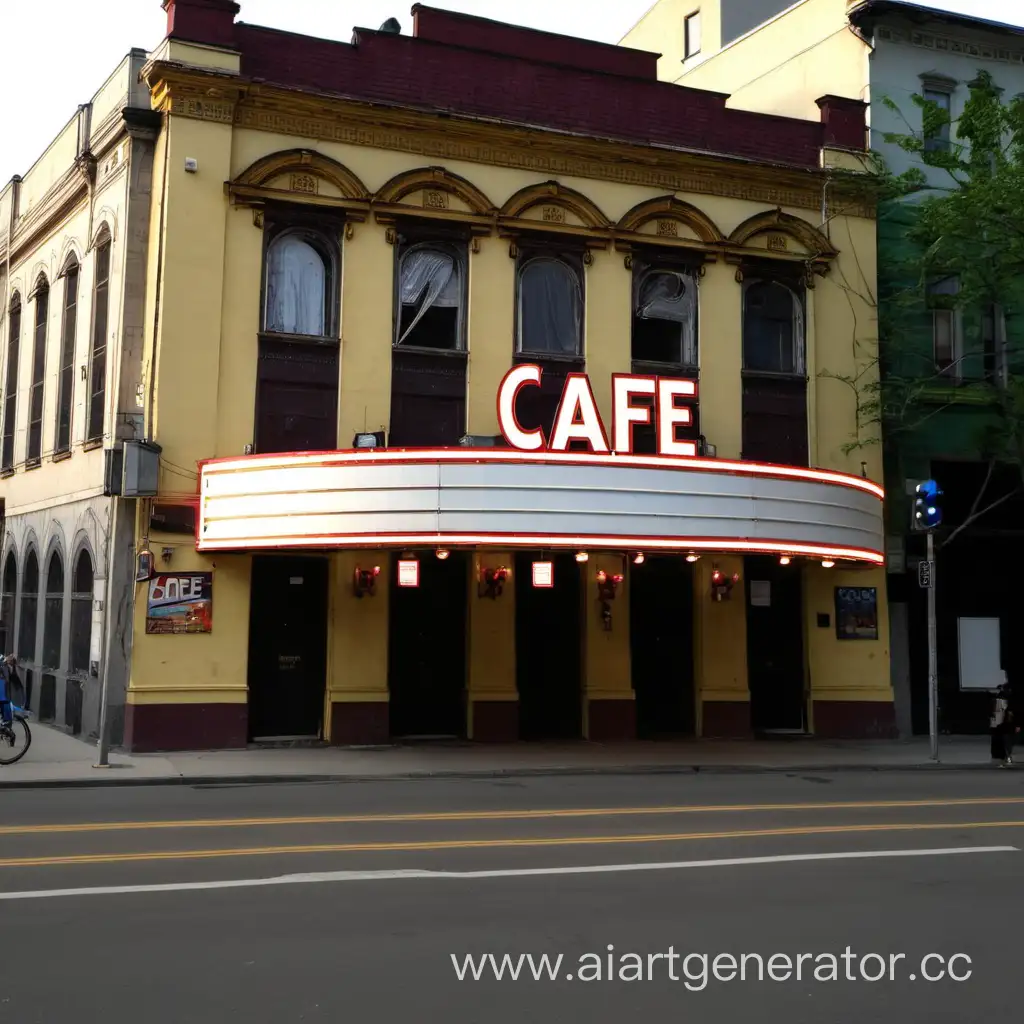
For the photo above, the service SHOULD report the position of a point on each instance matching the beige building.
(73, 235)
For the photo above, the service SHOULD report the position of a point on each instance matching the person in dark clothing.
(1003, 727)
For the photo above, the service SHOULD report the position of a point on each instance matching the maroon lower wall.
(359, 723)
(150, 728)
(611, 720)
(855, 720)
(495, 721)
(726, 719)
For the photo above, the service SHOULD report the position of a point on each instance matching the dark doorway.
(549, 640)
(775, 645)
(287, 647)
(427, 648)
(661, 646)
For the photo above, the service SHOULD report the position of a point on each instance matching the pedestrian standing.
(1002, 728)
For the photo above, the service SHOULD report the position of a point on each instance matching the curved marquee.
(424, 497)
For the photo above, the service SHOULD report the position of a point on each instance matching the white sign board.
(761, 593)
(543, 574)
(409, 573)
(980, 663)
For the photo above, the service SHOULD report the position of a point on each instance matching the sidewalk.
(57, 760)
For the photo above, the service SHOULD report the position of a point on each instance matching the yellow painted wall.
(491, 672)
(606, 656)
(807, 52)
(660, 30)
(720, 326)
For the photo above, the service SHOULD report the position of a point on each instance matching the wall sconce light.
(691, 557)
(492, 582)
(638, 558)
(144, 566)
(827, 563)
(442, 553)
(167, 554)
(785, 560)
(364, 581)
(607, 584)
(721, 585)
(582, 556)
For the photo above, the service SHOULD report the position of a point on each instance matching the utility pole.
(927, 516)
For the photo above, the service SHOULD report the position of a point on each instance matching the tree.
(965, 254)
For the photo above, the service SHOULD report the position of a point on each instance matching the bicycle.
(10, 733)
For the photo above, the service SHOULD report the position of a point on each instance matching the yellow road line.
(527, 815)
(476, 844)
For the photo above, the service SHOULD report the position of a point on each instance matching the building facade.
(484, 386)
(885, 52)
(72, 283)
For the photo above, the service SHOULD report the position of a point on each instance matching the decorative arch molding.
(553, 193)
(70, 255)
(672, 209)
(55, 542)
(777, 222)
(82, 543)
(106, 228)
(30, 544)
(10, 548)
(258, 175)
(17, 294)
(435, 179)
(40, 279)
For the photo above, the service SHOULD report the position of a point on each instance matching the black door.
(548, 649)
(661, 646)
(427, 648)
(775, 645)
(287, 646)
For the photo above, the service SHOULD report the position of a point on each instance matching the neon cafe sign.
(662, 402)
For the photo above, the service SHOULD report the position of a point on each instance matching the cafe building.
(497, 390)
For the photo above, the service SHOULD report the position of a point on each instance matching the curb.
(224, 781)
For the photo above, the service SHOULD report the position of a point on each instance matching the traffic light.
(927, 509)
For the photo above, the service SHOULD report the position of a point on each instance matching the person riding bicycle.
(8, 677)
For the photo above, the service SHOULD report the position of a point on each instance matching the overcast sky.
(81, 43)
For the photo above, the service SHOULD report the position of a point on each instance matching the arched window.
(298, 285)
(11, 384)
(81, 613)
(550, 306)
(29, 608)
(66, 371)
(773, 328)
(53, 611)
(98, 352)
(664, 315)
(431, 290)
(7, 599)
(34, 448)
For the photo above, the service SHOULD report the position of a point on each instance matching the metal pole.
(933, 677)
(103, 744)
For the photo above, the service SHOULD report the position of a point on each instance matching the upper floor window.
(35, 398)
(936, 89)
(550, 305)
(664, 314)
(431, 297)
(11, 383)
(691, 34)
(947, 338)
(773, 328)
(993, 344)
(98, 352)
(66, 369)
(300, 284)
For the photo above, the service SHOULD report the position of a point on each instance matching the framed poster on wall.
(180, 602)
(856, 613)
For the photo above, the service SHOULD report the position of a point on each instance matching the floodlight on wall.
(364, 581)
(721, 584)
(492, 581)
(607, 585)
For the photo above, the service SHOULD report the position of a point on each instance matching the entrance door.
(775, 645)
(661, 645)
(427, 648)
(287, 647)
(549, 642)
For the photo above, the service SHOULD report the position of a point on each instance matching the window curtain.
(773, 329)
(428, 277)
(296, 288)
(550, 308)
(669, 295)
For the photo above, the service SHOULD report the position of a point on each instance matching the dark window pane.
(11, 385)
(550, 307)
(29, 608)
(7, 598)
(430, 297)
(66, 377)
(98, 360)
(771, 330)
(81, 614)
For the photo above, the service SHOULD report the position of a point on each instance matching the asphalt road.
(322, 902)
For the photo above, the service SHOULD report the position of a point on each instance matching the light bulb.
(639, 558)
(785, 560)
(582, 556)
(827, 563)
(442, 553)
(691, 557)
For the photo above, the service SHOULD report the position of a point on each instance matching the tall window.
(993, 344)
(29, 608)
(773, 328)
(81, 613)
(7, 598)
(98, 356)
(66, 372)
(550, 306)
(53, 611)
(946, 331)
(299, 285)
(431, 297)
(34, 450)
(11, 386)
(664, 315)
(936, 125)
(691, 34)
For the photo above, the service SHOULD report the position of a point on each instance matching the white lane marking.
(310, 878)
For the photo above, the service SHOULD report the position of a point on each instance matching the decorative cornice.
(226, 99)
(938, 43)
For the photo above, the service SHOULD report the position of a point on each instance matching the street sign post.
(927, 516)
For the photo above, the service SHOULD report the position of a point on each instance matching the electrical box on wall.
(141, 469)
(113, 469)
